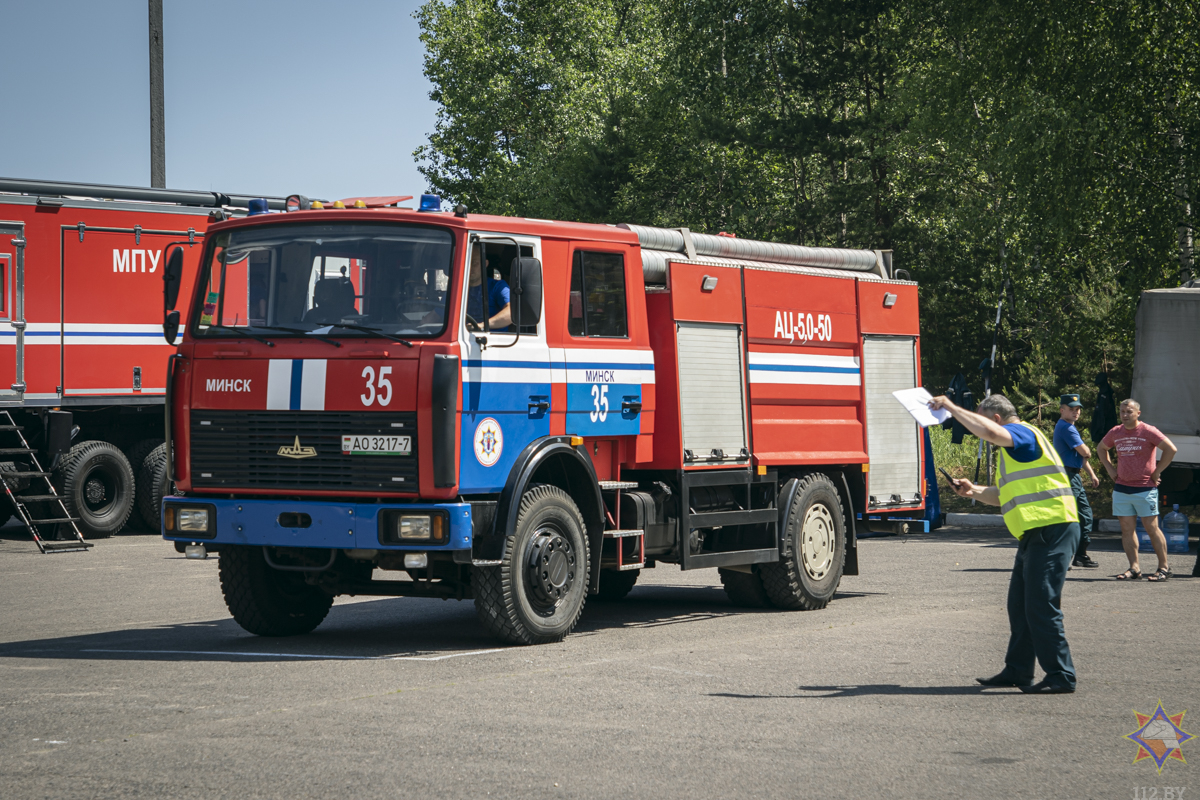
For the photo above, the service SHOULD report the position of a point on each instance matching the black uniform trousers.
(1035, 615)
(1085, 510)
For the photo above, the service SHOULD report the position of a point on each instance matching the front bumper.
(334, 525)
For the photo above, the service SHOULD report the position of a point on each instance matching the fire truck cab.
(373, 401)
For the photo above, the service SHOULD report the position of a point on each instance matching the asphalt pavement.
(122, 675)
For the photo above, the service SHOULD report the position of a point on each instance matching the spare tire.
(97, 487)
(154, 483)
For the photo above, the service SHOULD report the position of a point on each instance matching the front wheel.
(810, 568)
(97, 487)
(267, 601)
(536, 594)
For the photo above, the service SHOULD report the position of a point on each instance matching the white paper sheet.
(916, 402)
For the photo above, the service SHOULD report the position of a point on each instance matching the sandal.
(1130, 574)
(1160, 576)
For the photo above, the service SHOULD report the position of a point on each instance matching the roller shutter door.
(893, 437)
(712, 391)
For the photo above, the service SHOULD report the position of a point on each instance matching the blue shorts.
(1143, 504)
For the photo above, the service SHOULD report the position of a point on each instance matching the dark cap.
(1071, 400)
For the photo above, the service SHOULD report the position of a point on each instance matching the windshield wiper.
(244, 332)
(376, 331)
(333, 342)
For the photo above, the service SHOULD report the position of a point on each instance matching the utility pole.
(158, 134)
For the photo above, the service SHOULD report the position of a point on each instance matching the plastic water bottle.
(1143, 537)
(1175, 528)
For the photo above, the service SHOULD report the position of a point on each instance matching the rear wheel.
(154, 483)
(810, 568)
(97, 487)
(615, 585)
(267, 601)
(745, 589)
(137, 459)
(535, 596)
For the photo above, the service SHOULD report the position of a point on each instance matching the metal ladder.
(629, 550)
(51, 495)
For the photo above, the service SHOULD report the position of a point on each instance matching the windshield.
(393, 279)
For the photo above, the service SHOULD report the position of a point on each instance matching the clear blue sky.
(268, 97)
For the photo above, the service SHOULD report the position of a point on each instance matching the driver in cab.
(498, 296)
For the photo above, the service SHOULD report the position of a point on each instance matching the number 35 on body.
(384, 393)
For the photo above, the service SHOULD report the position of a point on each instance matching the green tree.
(1047, 145)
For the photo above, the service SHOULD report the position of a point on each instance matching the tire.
(153, 485)
(97, 487)
(745, 589)
(810, 568)
(615, 585)
(521, 603)
(137, 459)
(7, 511)
(266, 601)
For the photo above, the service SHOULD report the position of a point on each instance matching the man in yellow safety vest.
(1036, 500)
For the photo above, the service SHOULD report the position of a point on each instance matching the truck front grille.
(241, 449)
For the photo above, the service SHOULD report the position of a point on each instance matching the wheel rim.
(100, 490)
(549, 569)
(817, 536)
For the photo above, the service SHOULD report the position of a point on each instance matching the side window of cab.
(598, 296)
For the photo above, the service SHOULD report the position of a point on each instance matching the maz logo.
(296, 450)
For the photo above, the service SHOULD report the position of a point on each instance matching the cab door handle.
(633, 405)
(539, 404)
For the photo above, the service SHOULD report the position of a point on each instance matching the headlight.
(192, 519)
(398, 527)
(412, 526)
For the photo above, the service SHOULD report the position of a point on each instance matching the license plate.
(376, 445)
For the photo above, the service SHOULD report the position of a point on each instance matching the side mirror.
(172, 278)
(527, 275)
(171, 326)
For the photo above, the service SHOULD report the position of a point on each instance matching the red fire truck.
(81, 271)
(526, 411)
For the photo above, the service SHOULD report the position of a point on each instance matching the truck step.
(66, 547)
(15, 451)
(53, 521)
(33, 498)
(613, 486)
(611, 564)
(621, 534)
(12, 427)
(27, 474)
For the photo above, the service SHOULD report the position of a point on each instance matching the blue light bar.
(430, 202)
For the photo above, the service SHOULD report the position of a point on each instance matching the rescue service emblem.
(296, 450)
(489, 441)
(1159, 736)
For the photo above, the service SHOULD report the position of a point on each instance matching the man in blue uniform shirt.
(1075, 454)
(498, 296)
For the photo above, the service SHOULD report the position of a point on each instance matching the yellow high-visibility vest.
(1035, 493)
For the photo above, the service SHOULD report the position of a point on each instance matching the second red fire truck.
(427, 403)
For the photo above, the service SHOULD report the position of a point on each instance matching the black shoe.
(1004, 679)
(1084, 560)
(1045, 687)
